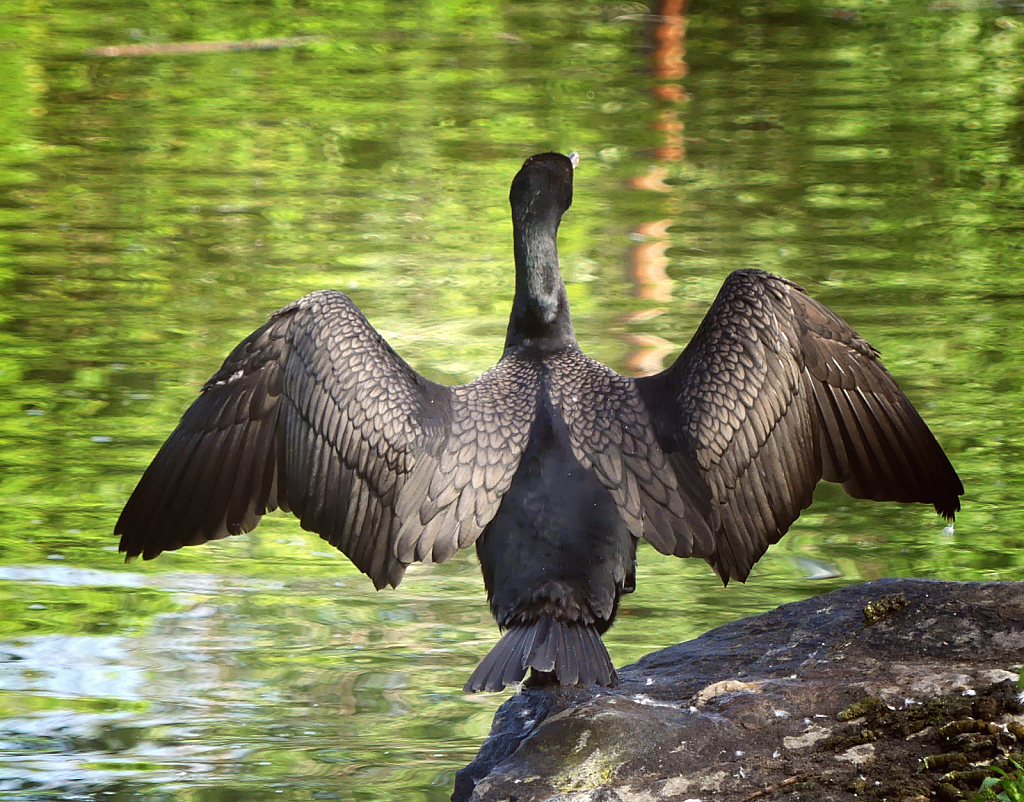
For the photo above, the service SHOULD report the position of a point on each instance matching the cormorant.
(552, 464)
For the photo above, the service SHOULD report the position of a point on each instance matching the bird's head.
(543, 187)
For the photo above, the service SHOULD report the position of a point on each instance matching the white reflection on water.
(74, 744)
(70, 665)
(69, 576)
(90, 711)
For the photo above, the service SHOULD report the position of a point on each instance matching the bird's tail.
(571, 651)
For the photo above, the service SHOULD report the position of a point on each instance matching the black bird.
(551, 463)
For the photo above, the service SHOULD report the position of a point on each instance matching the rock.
(896, 689)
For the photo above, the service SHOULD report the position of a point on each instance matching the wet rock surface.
(898, 689)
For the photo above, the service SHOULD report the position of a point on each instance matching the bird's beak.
(574, 159)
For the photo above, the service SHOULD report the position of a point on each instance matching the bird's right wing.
(316, 414)
(774, 393)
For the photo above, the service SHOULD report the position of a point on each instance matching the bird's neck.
(540, 309)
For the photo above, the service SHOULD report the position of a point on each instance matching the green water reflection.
(154, 210)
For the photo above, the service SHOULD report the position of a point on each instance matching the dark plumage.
(551, 463)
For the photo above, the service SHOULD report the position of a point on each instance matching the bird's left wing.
(315, 413)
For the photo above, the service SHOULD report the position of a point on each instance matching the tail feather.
(568, 670)
(570, 650)
(490, 674)
(513, 669)
(589, 662)
(544, 654)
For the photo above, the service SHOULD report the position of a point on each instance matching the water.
(154, 210)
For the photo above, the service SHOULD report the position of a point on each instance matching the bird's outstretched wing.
(315, 413)
(774, 393)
